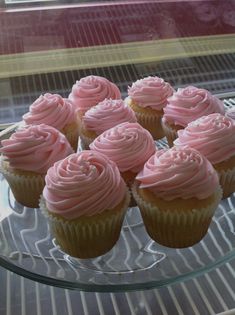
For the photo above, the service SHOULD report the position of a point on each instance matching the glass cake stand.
(135, 262)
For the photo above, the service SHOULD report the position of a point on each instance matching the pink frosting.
(129, 145)
(190, 103)
(35, 148)
(150, 92)
(179, 173)
(212, 135)
(231, 113)
(52, 110)
(83, 184)
(91, 90)
(108, 114)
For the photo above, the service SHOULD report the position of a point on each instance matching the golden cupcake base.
(87, 237)
(178, 223)
(26, 186)
(149, 119)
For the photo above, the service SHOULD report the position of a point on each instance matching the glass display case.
(46, 46)
(49, 47)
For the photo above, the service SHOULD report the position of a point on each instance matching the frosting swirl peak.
(150, 92)
(83, 184)
(129, 145)
(108, 114)
(91, 90)
(52, 110)
(212, 135)
(35, 148)
(179, 173)
(190, 103)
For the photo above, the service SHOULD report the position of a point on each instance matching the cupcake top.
(129, 145)
(212, 135)
(83, 184)
(91, 90)
(35, 148)
(179, 173)
(52, 110)
(150, 92)
(230, 113)
(190, 103)
(108, 114)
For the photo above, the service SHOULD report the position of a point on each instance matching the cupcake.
(26, 157)
(55, 111)
(104, 116)
(214, 137)
(85, 200)
(91, 90)
(128, 145)
(177, 192)
(148, 97)
(186, 105)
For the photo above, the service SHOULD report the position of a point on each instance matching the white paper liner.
(88, 239)
(176, 228)
(227, 181)
(170, 134)
(25, 188)
(153, 123)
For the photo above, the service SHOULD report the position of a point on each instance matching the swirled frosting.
(35, 148)
(150, 92)
(212, 135)
(129, 145)
(179, 173)
(230, 113)
(52, 110)
(190, 103)
(91, 90)
(83, 184)
(108, 114)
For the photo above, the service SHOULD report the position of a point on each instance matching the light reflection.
(5, 209)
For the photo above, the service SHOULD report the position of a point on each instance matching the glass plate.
(135, 262)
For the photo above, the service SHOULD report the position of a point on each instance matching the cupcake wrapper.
(176, 229)
(85, 142)
(170, 134)
(72, 137)
(227, 181)
(129, 180)
(25, 188)
(152, 123)
(89, 237)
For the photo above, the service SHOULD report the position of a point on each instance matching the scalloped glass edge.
(116, 288)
